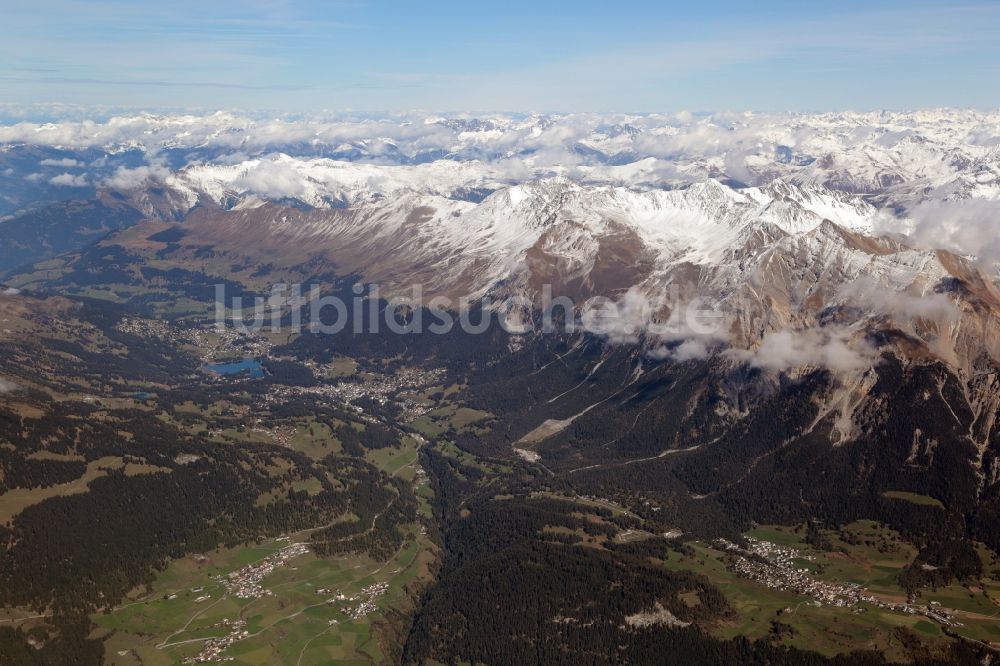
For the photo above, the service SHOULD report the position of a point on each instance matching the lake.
(250, 365)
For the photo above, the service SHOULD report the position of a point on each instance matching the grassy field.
(826, 629)
(341, 366)
(913, 498)
(294, 623)
(314, 439)
(863, 552)
(397, 461)
(449, 415)
(15, 500)
(606, 505)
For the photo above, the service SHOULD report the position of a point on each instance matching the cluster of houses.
(245, 583)
(779, 567)
(160, 330)
(381, 388)
(213, 647)
(368, 598)
(280, 436)
(226, 343)
(231, 343)
(775, 566)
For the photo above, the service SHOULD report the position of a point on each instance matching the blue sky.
(509, 56)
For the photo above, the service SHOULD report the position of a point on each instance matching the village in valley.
(248, 583)
(232, 608)
(783, 568)
(245, 583)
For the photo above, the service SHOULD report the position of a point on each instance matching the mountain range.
(841, 364)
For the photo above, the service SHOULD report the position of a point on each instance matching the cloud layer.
(836, 348)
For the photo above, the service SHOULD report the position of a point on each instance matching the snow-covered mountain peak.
(770, 214)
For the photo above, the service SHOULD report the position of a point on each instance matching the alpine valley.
(764, 431)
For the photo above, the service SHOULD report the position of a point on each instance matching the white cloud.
(965, 226)
(622, 321)
(69, 180)
(730, 142)
(689, 350)
(637, 317)
(7, 386)
(929, 151)
(125, 178)
(906, 307)
(833, 347)
(64, 162)
(276, 179)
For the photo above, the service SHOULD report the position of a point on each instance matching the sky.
(386, 56)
